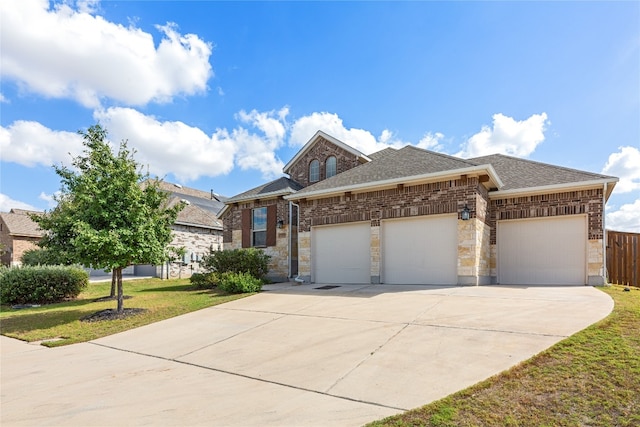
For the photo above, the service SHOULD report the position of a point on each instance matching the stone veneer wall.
(589, 202)
(195, 240)
(232, 235)
(320, 151)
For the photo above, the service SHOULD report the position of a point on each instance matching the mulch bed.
(108, 298)
(111, 314)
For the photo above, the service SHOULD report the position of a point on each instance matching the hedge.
(41, 285)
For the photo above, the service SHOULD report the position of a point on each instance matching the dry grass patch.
(157, 299)
(589, 379)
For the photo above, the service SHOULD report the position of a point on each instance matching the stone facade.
(321, 151)
(232, 234)
(197, 241)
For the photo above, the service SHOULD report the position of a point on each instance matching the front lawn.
(160, 299)
(589, 379)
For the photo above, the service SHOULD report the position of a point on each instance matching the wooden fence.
(623, 258)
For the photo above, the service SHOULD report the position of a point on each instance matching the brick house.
(412, 216)
(18, 234)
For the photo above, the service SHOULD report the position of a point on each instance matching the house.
(196, 230)
(18, 234)
(412, 216)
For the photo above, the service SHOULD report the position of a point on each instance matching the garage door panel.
(420, 250)
(547, 251)
(341, 253)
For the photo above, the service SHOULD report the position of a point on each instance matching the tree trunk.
(112, 294)
(120, 293)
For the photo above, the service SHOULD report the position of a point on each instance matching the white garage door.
(422, 250)
(545, 251)
(342, 253)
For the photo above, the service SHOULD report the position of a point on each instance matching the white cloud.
(67, 52)
(305, 127)
(30, 143)
(3, 99)
(170, 147)
(507, 136)
(7, 203)
(625, 219)
(50, 198)
(625, 164)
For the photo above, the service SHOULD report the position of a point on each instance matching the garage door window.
(259, 227)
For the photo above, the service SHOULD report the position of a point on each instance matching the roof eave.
(553, 188)
(192, 224)
(488, 169)
(270, 195)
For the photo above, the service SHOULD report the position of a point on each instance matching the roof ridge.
(437, 153)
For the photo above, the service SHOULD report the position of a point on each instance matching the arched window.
(314, 171)
(330, 166)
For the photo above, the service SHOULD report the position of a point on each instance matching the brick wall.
(403, 201)
(232, 234)
(547, 205)
(20, 246)
(320, 151)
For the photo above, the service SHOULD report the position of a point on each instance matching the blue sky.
(220, 95)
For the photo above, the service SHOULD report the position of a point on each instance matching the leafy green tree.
(105, 218)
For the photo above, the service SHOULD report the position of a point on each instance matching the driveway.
(293, 356)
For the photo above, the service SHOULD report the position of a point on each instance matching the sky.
(221, 95)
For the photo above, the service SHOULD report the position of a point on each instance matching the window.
(330, 166)
(259, 227)
(314, 171)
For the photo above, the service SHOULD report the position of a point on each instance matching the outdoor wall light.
(466, 213)
(280, 223)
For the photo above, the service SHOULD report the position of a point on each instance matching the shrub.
(204, 280)
(252, 261)
(41, 285)
(42, 257)
(239, 283)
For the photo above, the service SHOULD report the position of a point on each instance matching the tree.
(105, 218)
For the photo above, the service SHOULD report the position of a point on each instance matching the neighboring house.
(197, 230)
(18, 234)
(411, 216)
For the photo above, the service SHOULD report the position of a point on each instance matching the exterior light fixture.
(466, 213)
(280, 223)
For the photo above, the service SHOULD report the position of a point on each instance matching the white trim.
(402, 180)
(329, 138)
(259, 196)
(552, 188)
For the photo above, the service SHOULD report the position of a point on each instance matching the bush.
(239, 283)
(204, 280)
(251, 261)
(41, 285)
(42, 257)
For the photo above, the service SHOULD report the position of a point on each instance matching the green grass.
(162, 299)
(589, 379)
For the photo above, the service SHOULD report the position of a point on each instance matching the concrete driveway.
(293, 356)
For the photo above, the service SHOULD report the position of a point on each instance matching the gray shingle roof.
(517, 173)
(206, 200)
(196, 216)
(20, 224)
(391, 164)
(279, 186)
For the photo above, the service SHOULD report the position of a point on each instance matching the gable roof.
(522, 175)
(279, 187)
(209, 201)
(392, 166)
(195, 216)
(319, 134)
(19, 224)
